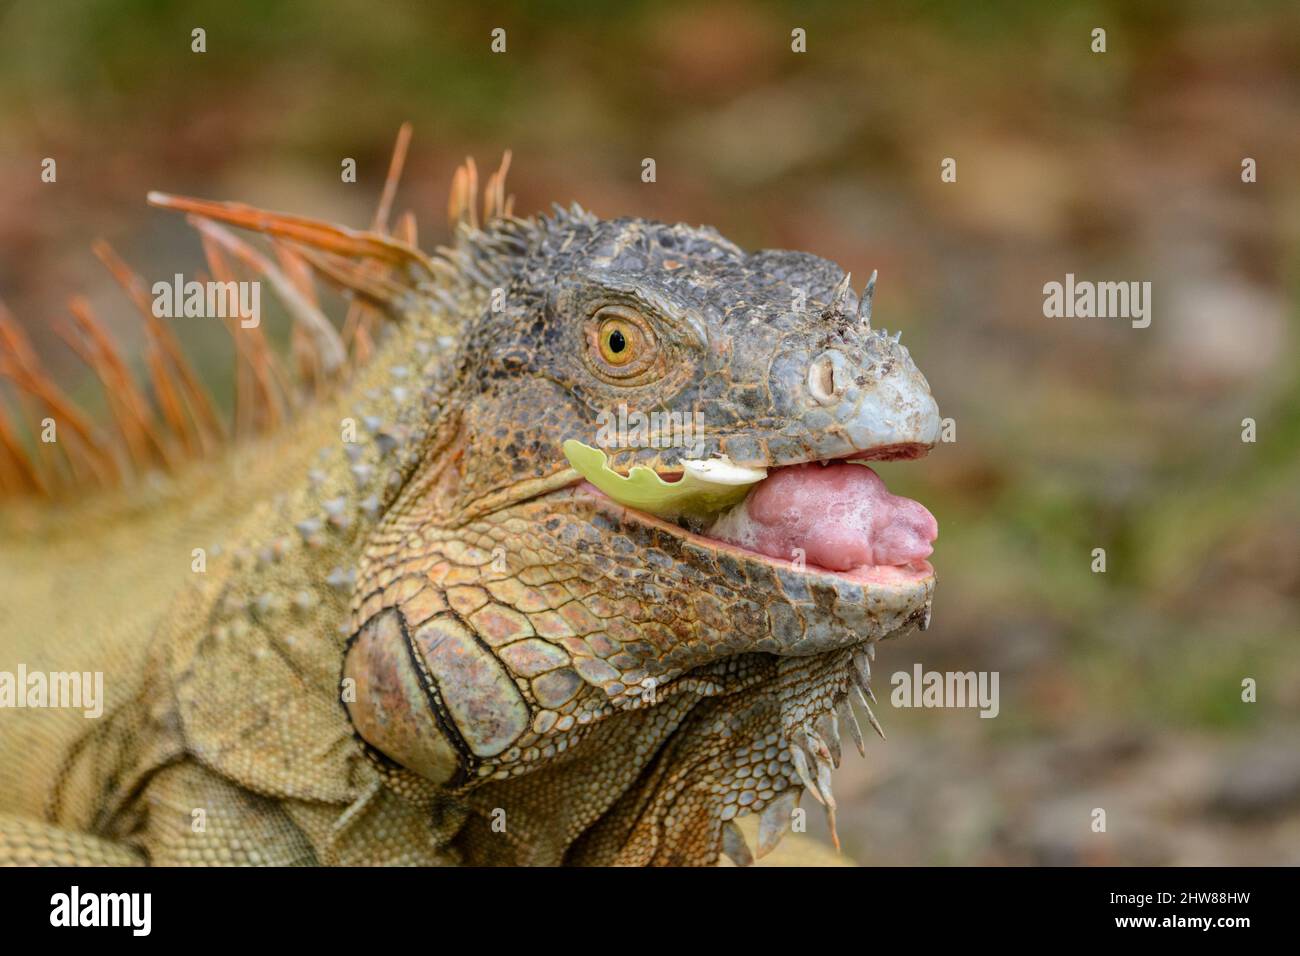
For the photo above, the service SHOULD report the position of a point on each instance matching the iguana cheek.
(431, 697)
(385, 698)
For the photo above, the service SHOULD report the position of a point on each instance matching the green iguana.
(395, 624)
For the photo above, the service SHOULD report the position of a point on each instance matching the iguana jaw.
(907, 588)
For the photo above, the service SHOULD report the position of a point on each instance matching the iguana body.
(434, 643)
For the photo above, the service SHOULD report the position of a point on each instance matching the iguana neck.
(294, 557)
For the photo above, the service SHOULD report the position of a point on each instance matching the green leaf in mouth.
(705, 487)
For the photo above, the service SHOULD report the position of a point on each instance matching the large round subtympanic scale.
(479, 694)
(391, 711)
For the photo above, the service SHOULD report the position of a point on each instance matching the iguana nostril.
(828, 376)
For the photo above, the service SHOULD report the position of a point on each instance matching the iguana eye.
(617, 342)
(622, 343)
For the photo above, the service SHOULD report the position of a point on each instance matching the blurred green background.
(1119, 690)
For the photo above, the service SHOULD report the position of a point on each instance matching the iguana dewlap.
(417, 634)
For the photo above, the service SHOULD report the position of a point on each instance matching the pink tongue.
(841, 515)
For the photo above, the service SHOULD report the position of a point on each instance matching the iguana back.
(84, 586)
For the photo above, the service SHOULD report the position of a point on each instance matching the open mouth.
(847, 556)
(834, 518)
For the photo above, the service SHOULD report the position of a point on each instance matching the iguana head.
(622, 684)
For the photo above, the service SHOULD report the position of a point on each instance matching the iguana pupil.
(616, 341)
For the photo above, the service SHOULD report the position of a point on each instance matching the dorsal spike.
(90, 338)
(465, 193)
(339, 240)
(864, 304)
(495, 201)
(407, 230)
(185, 403)
(86, 455)
(462, 203)
(840, 297)
(174, 418)
(333, 355)
(357, 324)
(395, 165)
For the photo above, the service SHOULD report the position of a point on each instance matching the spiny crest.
(853, 323)
(487, 256)
(171, 419)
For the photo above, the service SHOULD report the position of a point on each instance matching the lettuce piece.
(706, 486)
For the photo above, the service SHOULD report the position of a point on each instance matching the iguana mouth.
(830, 517)
(825, 525)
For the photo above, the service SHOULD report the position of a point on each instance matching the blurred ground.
(1119, 690)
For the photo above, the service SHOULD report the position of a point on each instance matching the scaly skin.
(436, 645)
